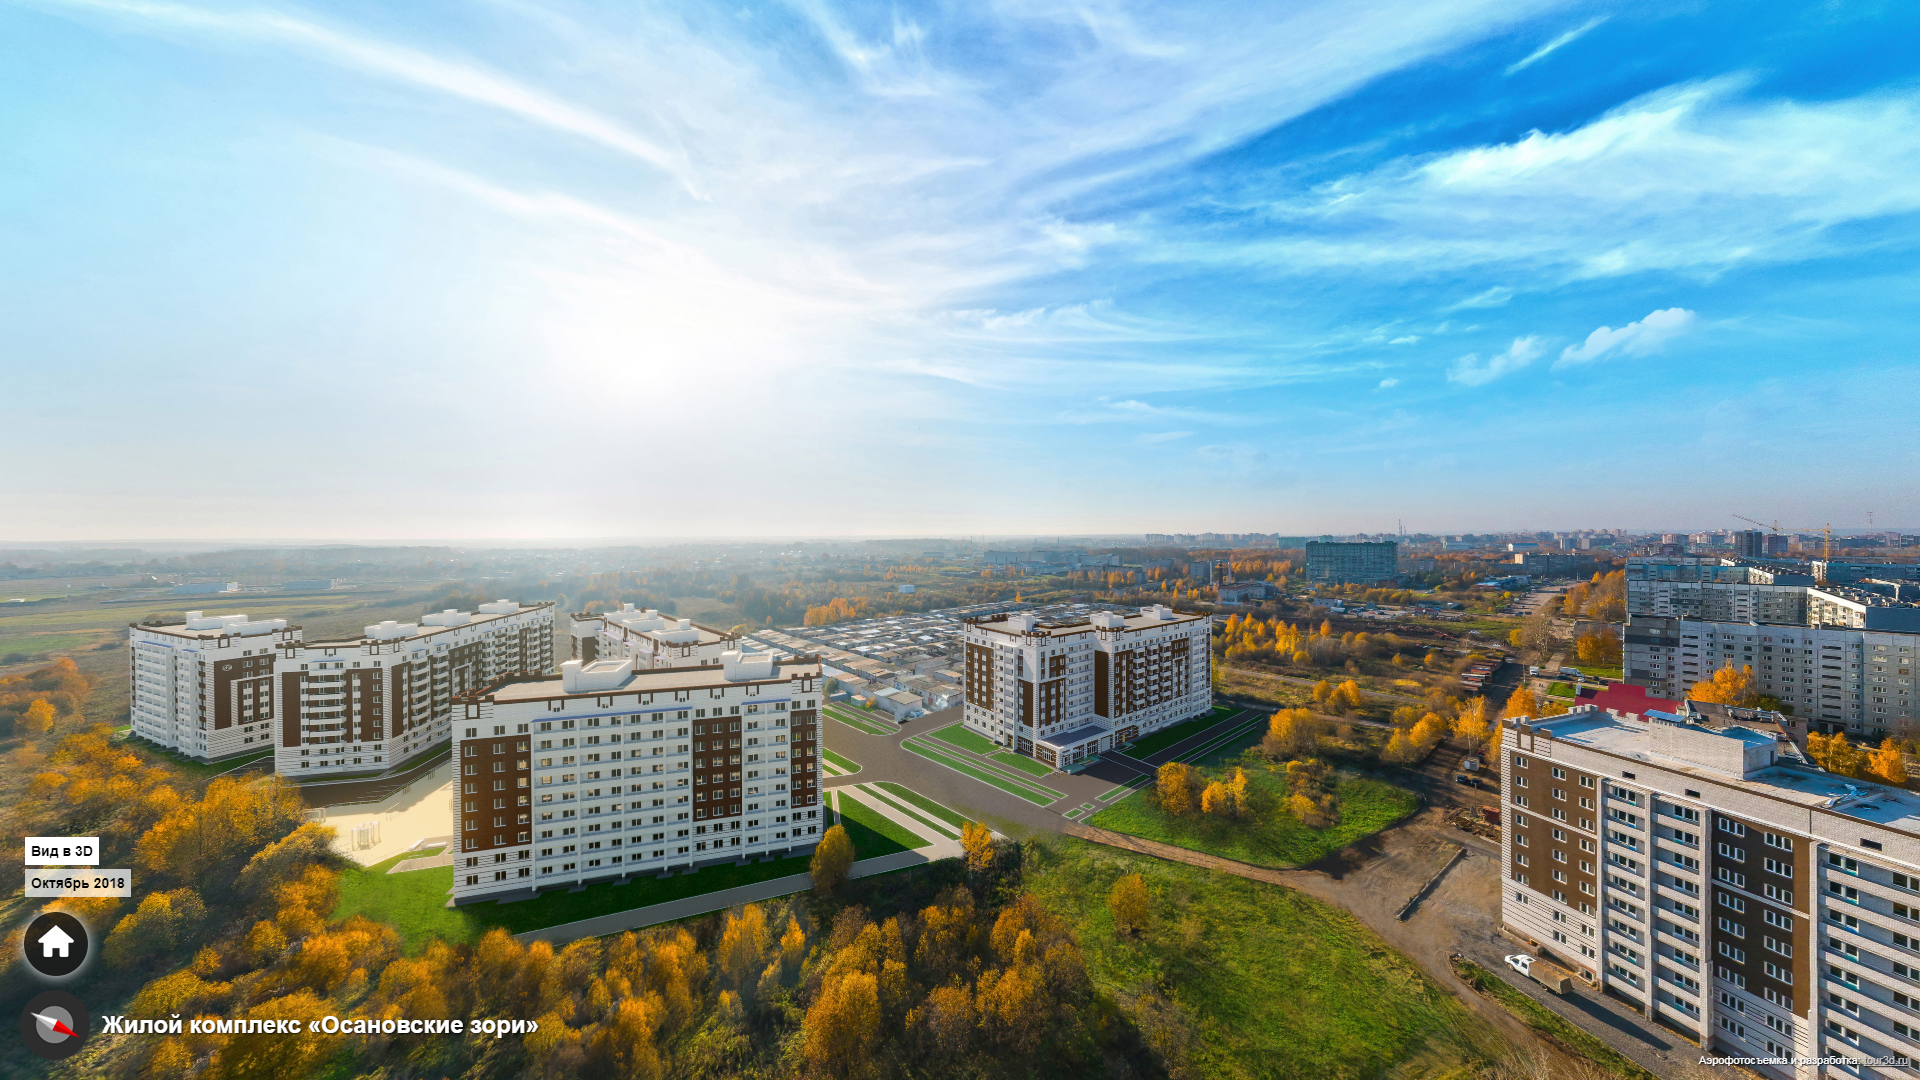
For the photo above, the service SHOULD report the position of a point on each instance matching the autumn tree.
(1471, 724)
(832, 860)
(1521, 702)
(1128, 901)
(39, 717)
(1836, 755)
(1888, 764)
(1294, 731)
(1174, 786)
(1729, 686)
(977, 841)
(843, 1024)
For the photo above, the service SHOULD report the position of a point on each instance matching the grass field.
(1227, 748)
(908, 795)
(883, 836)
(1273, 837)
(415, 902)
(1560, 689)
(845, 765)
(931, 752)
(1024, 764)
(1258, 980)
(958, 735)
(1547, 1022)
(1162, 739)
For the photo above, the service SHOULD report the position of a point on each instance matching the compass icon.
(54, 1025)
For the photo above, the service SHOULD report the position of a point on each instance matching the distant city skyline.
(507, 272)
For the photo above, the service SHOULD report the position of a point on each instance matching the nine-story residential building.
(1698, 866)
(364, 703)
(205, 687)
(1061, 692)
(612, 768)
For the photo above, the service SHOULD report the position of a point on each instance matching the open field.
(1272, 837)
(1255, 979)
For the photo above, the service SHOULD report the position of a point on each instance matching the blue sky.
(498, 269)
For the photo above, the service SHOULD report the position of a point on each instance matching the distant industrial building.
(200, 588)
(1363, 563)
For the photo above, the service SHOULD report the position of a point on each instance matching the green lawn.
(415, 902)
(1560, 689)
(1263, 981)
(958, 735)
(908, 795)
(1164, 738)
(1273, 837)
(872, 832)
(1547, 1022)
(927, 750)
(843, 764)
(1024, 764)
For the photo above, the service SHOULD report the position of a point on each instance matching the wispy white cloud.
(1387, 384)
(1649, 335)
(1494, 297)
(469, 81)
(1555, 45)
(1405, 339)
(1470, 370)
(1694, 178)
(1151, 438)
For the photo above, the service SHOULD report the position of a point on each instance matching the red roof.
(1624, 698)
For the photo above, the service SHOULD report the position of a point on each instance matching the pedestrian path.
(982, 768)
(904, 814)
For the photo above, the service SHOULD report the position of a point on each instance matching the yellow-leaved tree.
(1888, 764)
(1729, 686)
(832, 860)
(1129, 903)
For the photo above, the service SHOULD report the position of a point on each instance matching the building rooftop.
(432, 623)
(1782, 773)
(202, 626)
(1144, 618)
(619, 677)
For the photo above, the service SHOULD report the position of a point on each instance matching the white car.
(1521, 963)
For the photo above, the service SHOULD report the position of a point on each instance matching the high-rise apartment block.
(1062, 691)
(612, 768)
(205, 688)
(1362, 563)
(1697, 865)
(222, 685)
(1840, 656)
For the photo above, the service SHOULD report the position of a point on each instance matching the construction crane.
(1826, 532)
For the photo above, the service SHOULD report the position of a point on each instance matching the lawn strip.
(843, 764)
(1554, 1027)
(855, 812)
(958, 735)
(1024, 764)
(881, 796)
(901, 791)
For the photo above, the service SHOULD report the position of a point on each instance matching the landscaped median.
(1166, 737)
(864, 724)
(838, 765)
(1550, 1025)
(948, 747)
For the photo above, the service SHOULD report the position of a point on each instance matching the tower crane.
(1826, 532)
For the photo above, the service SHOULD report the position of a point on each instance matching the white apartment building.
(365, 703)
(1719, 881)
(205, 688)
(611, 769)
(1061, 692)
(1837, 677)
(652, 639)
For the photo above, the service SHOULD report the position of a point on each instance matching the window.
(1843, 863)
(1728, 851)
(1730, 901)
(1774, 918)
(1732, 827)
(1728, 926)
(1784, 843)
